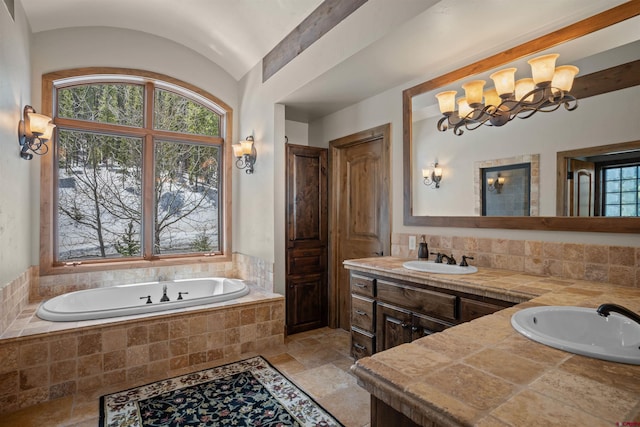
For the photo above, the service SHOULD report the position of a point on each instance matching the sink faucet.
(606, 309)
(438, 257)
(450, 259)
(164, 298)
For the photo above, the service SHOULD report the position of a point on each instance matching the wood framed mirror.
(598, 83)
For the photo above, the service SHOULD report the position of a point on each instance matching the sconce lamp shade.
(48, 133)
(237, 150)
(426, 173)
(38, 123)
(563, 77)
(473, 92)
(524, 86)
(490, 181)
(247, 146)
(543, 67)
(504, 81)
(437, 171)
(447, 101)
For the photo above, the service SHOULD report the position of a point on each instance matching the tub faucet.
(164, 298)
(606, 309)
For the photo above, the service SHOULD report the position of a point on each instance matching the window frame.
(48, 188)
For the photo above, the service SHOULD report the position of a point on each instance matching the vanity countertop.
(485, 373)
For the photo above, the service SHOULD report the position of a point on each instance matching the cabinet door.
(393, 327)
(423, 326)
(305, 302)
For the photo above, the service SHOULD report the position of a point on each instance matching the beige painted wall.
(16, 225)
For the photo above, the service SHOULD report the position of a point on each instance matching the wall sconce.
(246, 154)
(432, 176)
(34, 130)
(495, 184)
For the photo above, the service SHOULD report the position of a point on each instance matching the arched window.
(136, 171)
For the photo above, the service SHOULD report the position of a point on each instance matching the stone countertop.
(485, 373)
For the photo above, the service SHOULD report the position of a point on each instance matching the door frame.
(335, 160)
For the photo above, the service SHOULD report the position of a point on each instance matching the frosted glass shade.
(543, 67)
(463, 108)
(48, 132)
(491, 97)
(490, 181)
(38, 123)
(247, 146)
(504, 80)
(237, 149)
(437, 171)
(563, 77)
(523, 86)
(473, 92)
(426, 173)
(447, 101)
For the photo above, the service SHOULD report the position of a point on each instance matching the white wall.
(387, 107)
(596, 121)
(297, 132)
(110, 47)
(16, 225)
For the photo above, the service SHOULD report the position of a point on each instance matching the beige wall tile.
(622, 255)
(596, 254)
(89, 344)
(137, 335)
(573, 252)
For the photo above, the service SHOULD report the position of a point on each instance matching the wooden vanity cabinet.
(388, 312)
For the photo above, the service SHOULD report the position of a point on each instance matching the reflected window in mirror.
(621, 192)
(506, 190)
(602, 181)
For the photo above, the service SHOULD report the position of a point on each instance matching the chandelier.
(545, 91)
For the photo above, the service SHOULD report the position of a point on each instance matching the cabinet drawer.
(362, 343)
(302, 261)
(362, 312)
(472, 309)
(363, 285)
(424, 302)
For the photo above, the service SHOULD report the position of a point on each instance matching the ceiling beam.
(326, 16)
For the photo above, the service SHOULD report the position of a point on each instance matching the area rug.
(247, 393)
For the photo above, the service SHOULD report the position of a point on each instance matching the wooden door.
(582, 188)
(306, 253)
(360, 214)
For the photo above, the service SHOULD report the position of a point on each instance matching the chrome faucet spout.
(608, 308)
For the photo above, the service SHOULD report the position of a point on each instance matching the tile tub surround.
(485, 373)
(616, 265)
(51, 360)
(14, 297)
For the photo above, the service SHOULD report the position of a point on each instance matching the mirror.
(603, 41)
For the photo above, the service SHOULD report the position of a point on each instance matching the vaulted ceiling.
(381, 50)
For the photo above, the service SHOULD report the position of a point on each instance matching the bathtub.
(125, 300)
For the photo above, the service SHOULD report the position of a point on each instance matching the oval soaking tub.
(125, 300)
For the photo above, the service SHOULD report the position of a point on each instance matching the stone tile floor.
(317, 361)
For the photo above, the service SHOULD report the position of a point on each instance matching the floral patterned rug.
(246, 393)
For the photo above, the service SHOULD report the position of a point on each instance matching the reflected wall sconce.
(545, 91)
(34, 130)
(432, 177)
(495, 184)
(246, 154)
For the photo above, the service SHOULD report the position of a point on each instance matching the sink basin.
(432, 267)
(581, 331)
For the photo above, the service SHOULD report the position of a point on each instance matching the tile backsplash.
(617, 265)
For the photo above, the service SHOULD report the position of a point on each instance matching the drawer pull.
(360, 285)
(359, 346)
(405, 325)
(414, 328)
(361, 313)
